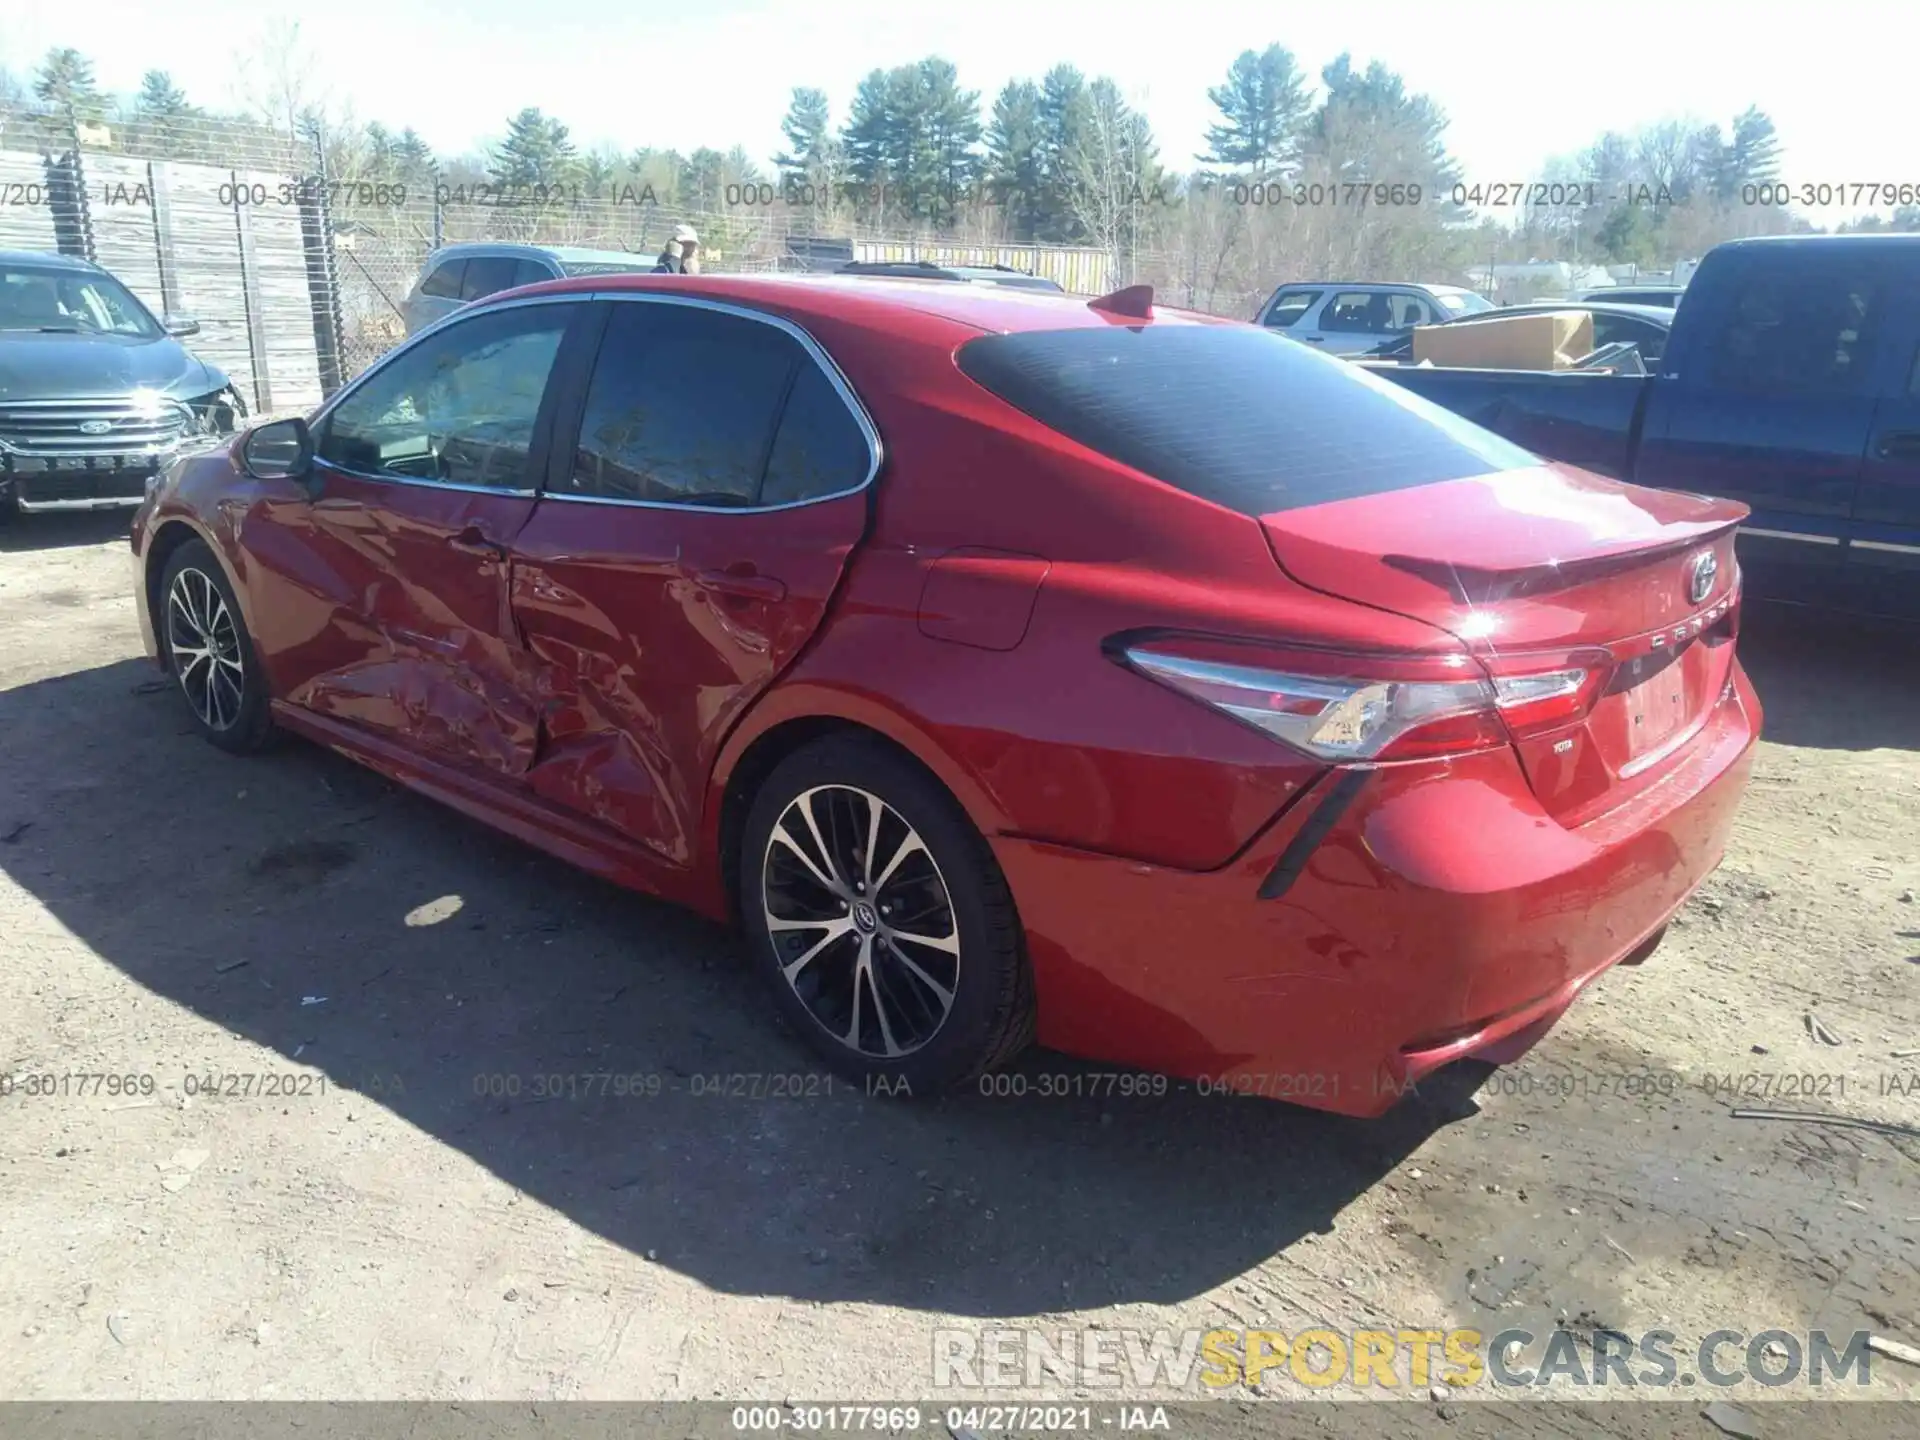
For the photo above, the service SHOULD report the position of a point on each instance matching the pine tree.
(160, 98)
(1263, 107)
(65, 81)
(947, 160)
(808, 127)
(1754, 154)
(1066, 115)
(1015, 165)
(1369, 130)
(537, 151)
(413, 158)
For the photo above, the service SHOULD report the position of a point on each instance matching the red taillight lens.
(1351, 707)
(1538, 693)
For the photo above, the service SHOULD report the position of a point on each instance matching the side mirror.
(179, 325)
(281, 450)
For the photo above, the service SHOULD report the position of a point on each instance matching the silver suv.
(457, 275)
(1352, 319)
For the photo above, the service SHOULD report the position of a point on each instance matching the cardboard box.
(1538, 340)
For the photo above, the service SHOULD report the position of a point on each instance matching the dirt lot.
(167, 911)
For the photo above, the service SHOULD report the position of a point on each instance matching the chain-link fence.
(294, 252)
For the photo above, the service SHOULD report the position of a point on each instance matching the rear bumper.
(1442, 914)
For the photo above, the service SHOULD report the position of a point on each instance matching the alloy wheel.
(861, 920)
(205, 644)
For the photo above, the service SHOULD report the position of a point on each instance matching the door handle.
(473, 541)
(1900, 445)
(741, 585)
(1314, 339)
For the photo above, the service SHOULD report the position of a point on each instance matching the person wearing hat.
(681, 255)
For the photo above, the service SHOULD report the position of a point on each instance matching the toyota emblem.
(1701, 571)
(95, 427)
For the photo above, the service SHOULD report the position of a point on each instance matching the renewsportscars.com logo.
(1212, 1360)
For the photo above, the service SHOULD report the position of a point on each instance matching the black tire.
(990, 1016)
(236, 717)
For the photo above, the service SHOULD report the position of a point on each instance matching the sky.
(1515, 79)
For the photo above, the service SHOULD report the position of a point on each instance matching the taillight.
(1347, 707)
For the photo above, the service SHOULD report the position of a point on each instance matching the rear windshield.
(1240, 416)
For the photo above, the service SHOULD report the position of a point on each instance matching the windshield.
(45, 297)
(1464, 303)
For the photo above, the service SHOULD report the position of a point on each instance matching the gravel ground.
(167, 911)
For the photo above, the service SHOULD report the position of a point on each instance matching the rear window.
(1240, 416)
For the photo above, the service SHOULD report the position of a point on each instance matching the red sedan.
(1006, 665)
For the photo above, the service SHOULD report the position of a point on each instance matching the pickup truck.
(1790, 382)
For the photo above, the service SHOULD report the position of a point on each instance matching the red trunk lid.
(1534, 565)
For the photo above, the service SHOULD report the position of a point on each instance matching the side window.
(1798, 334)
(1290, 307)
(1407, 311)
(1610, 329)
(487, 275)
(682, 406)
(1357, 312)
(458, 408)
(819, 448)
(444, 282)
(531, 272)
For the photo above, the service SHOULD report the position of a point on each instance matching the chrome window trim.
(469, 311)
(876, 454)
(1801, 536)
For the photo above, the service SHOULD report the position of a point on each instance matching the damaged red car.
(1005, 665)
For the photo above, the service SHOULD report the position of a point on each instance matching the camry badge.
(1701, 571)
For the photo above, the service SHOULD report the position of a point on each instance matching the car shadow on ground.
(1831, 681)
(173, 861)
(62, 529)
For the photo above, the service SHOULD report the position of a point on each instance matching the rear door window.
(1290, 307)
(444, 282)
(1239, 416)
(530, 272)
(487, 275)
(1808, 333)
(1407, 311)
(682, 407)
(1358, 312)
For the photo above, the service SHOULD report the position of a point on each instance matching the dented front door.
(388, 594)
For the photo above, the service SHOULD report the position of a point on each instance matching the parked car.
(1350, 319)
(95, 393)
(1642, 325)
(1666, 297)
(930, 270)
(457, 275)
(1789, 383)
(1005, 665)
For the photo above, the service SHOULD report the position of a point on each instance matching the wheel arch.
(796, 716)
(173, 532)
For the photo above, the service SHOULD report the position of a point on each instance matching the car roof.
(42, 257)
(878, 303)
(1658, 313)
(1377, 285)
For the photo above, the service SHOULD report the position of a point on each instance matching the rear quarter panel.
(1047, 737)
